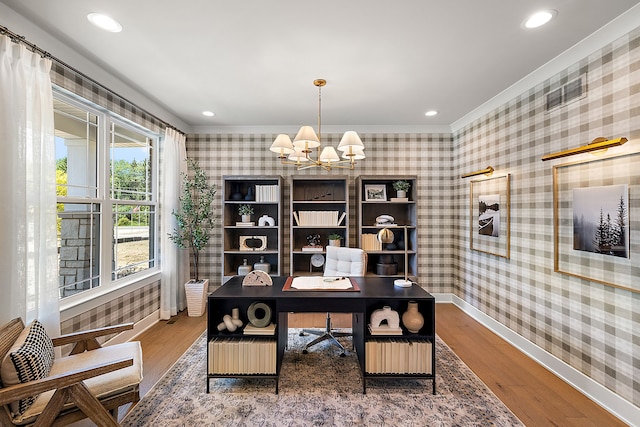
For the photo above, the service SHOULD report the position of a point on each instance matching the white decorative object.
(196, 296)
(385, 313)
(266, 220)
(257, 278)
(253, 243)
(232, 322)
(384, 220)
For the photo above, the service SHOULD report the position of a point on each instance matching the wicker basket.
(196, 296)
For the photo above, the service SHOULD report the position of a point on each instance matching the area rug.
(319, 389)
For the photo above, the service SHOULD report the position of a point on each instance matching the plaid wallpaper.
(424, 155)
(592, 327)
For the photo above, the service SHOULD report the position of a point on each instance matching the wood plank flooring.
(535, 395)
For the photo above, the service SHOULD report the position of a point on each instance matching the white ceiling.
(253, 62)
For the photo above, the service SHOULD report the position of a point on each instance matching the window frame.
(107, 284)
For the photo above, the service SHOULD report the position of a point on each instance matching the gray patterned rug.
(319, 389)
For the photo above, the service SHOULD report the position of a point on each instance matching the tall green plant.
(195, 216)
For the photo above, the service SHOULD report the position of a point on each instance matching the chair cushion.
(101, 386)
(343, 261)
(29, 359)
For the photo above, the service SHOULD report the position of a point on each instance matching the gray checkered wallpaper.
(592, 327)
(424, 155)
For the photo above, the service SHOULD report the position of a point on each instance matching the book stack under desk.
(242, 356)
(398, 356)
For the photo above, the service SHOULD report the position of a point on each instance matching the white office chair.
(339, 262)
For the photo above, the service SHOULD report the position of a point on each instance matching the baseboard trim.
(138, 328)
(616, 405)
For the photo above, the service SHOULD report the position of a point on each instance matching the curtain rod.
(17, 38)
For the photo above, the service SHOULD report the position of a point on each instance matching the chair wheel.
(305, 351)
(302, 334)
(342, 355)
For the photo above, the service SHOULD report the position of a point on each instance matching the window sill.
(88, 300)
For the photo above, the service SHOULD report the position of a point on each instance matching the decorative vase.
(249, 195)
(244, 269)
(262, 265)
(412, 318)
(401, 194)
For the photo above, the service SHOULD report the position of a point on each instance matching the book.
(399, 199)
(385, 330)
(245, 224)
(252, 330)
(312, 248)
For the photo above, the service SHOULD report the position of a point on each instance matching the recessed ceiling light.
(208, 113)
(105, 22)
(538, 19)
(431, 113)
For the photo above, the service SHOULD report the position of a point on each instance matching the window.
(106, 195)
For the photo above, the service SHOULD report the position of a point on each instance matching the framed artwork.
(596, 220)
(489, 216)
(375, 193)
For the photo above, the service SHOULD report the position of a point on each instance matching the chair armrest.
(86, 340)
(32, 388)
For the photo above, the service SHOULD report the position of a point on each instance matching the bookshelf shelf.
(388, 260)
(317, 205)
(265, 197)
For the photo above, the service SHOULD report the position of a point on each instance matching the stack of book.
(245, 224)
(253, 330)
(398, 356)
(370, 242)
(242, 356)
(318, 218)
(267, 193)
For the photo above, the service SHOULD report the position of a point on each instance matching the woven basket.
(196, 297)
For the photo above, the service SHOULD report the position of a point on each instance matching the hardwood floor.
(535, 395)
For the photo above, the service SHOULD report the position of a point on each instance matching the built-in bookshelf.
(379, 206)
(258, 240)
(319, 205)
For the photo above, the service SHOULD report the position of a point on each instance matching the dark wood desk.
(375, 293)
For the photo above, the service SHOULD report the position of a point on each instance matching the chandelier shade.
(298, 152)
(282, 145)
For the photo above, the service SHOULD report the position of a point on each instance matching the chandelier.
(298, 152)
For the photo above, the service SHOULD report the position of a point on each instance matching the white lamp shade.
(306, 137)
(350, 139)
(353, 153)
(329, 154)
(282, 145)
(298, 156)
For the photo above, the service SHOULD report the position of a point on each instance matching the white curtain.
(28, 254)
(175, 261)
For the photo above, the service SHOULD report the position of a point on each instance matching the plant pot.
(335, 242)
(197, 292)
(401, 194)
(246, 218)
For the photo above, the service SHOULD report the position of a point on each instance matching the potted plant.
(245, 211)
(194, 219)
(401, 186)
(334, 239)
